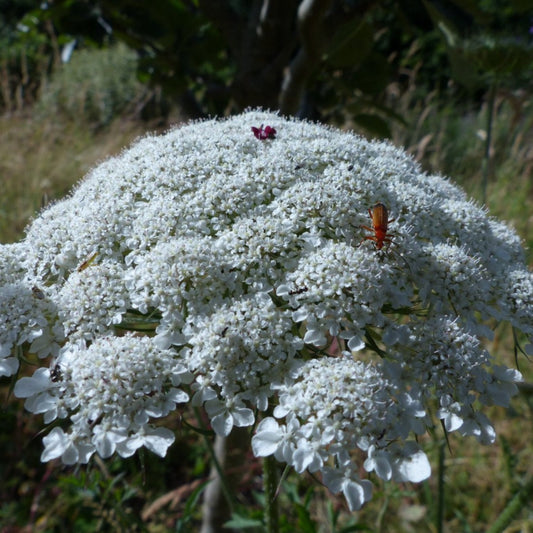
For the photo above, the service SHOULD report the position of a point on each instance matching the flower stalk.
(270, 486)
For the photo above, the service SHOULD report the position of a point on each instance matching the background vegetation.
(449, 81)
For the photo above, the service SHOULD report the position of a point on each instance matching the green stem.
(515, 505)
(270, 485)
(440, 501)
(485, 164)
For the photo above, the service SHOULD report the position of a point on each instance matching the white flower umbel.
(234, 250)
(110, 392)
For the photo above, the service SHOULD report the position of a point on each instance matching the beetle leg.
(367, 238)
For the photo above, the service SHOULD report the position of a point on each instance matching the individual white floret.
(400, 463)
(345, 479)
(58, 444)
(272, 438)
(225, 415)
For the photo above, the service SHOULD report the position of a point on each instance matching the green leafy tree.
(26, 54)
(323, 59)
(309, 58)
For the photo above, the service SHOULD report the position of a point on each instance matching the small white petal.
(383, 468)
(55, 444)
(267, 438)
(222, 424)
(414, 467)
(315, 337)
(509, 375)
(178, 396)
(158, 440)
(300, 315)
(356, 343)
(357, 493)
(452, 422)
(39, 382)
(8, 366)
(243, 417)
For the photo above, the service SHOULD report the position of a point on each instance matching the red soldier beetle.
(379, 215)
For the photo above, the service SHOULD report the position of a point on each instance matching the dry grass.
(450, 140)
(41, 160)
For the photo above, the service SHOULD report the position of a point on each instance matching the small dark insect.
(38, 293)
(87, 262)
(56, 374)
(224, 331)
(380, 223)
(350, 168)
(298, 291)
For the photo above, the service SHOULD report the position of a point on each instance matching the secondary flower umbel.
(242, 268)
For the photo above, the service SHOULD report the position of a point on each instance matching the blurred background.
(450, 81)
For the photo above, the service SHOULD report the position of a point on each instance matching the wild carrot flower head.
(208, 267)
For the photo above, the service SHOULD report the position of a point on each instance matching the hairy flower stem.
(270, 484)
(218, 501)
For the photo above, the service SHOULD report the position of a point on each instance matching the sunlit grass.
(41, 160)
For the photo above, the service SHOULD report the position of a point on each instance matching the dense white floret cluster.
(226, 266)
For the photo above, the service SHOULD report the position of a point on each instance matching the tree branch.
(265, 51)
(311, 14)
